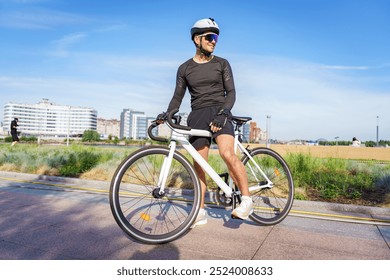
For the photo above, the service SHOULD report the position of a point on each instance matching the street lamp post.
(39, 130)
(67, 136)
(268, 128)
(377, 131)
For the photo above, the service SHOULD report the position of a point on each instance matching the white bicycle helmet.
(203, 26)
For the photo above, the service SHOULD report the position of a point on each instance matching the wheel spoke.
(138, 206)
(271, 204)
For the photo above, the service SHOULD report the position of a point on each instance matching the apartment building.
(134, 124)
(108, 127)
(47, 119)
(256, 133)
(164, 131)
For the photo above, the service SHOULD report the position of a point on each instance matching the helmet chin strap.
(206, 53)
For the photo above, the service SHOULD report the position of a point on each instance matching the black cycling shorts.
(14, 136)
(201, 119)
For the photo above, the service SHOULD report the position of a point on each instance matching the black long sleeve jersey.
(14, 126)
(210, 84)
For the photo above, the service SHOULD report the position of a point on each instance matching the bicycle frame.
(178, 136)
(162, 211)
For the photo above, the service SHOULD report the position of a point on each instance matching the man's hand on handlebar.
(174, 121)
(161, 118)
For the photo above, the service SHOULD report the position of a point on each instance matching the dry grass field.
(345, 152)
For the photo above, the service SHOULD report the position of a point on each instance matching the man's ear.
(197, 40)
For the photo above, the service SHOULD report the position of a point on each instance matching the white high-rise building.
(134, 124)
(164, 131)
(50, 120)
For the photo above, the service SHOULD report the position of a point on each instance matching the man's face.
(207, 40)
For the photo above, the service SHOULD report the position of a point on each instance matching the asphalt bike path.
(54, 218)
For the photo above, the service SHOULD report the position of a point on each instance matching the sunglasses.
(211, 37)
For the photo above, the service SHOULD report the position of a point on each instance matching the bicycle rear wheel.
(141, 210)
(271, 204)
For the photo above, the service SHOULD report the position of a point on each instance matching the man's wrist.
(223, 111)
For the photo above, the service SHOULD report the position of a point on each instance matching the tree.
(90, 136)
(116, 140)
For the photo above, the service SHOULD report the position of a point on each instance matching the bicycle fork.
(162, 180)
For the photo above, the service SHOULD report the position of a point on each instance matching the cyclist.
(14, 131)
(210, 82)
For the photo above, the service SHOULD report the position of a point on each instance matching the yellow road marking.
(337, 216)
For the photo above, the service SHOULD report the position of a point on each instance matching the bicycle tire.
(138, 208)
(270, 205)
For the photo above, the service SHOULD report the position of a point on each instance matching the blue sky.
(319, 68)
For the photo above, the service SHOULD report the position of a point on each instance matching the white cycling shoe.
(244, 209)
(201, 219)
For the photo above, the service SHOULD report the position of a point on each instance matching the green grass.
(331, 179)
(335, 178)
(69, 161)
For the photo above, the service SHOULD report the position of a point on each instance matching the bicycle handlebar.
(239, 121)
(170, 119)
(174, 125)
(155, 138)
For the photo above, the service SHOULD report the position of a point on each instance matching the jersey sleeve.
(230, 90)
(180, 89)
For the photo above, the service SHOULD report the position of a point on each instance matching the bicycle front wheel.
(138, 205)
(271, 202)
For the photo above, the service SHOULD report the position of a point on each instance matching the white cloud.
(61, 46)
(343, 67)
(25, 1)
(304, 100)
(358, 68)
(308, 101)
(36, 18)
(108, 97)
(113, 27)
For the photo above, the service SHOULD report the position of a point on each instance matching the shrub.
(332, 178)
(90, 136)
(71, 167)
(87, 160)
(28, 139)
(383, 182)
(302, 167)
(56, 160)
(78, 162)
(8, 139)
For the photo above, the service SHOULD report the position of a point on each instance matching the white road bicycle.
(155, 192)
